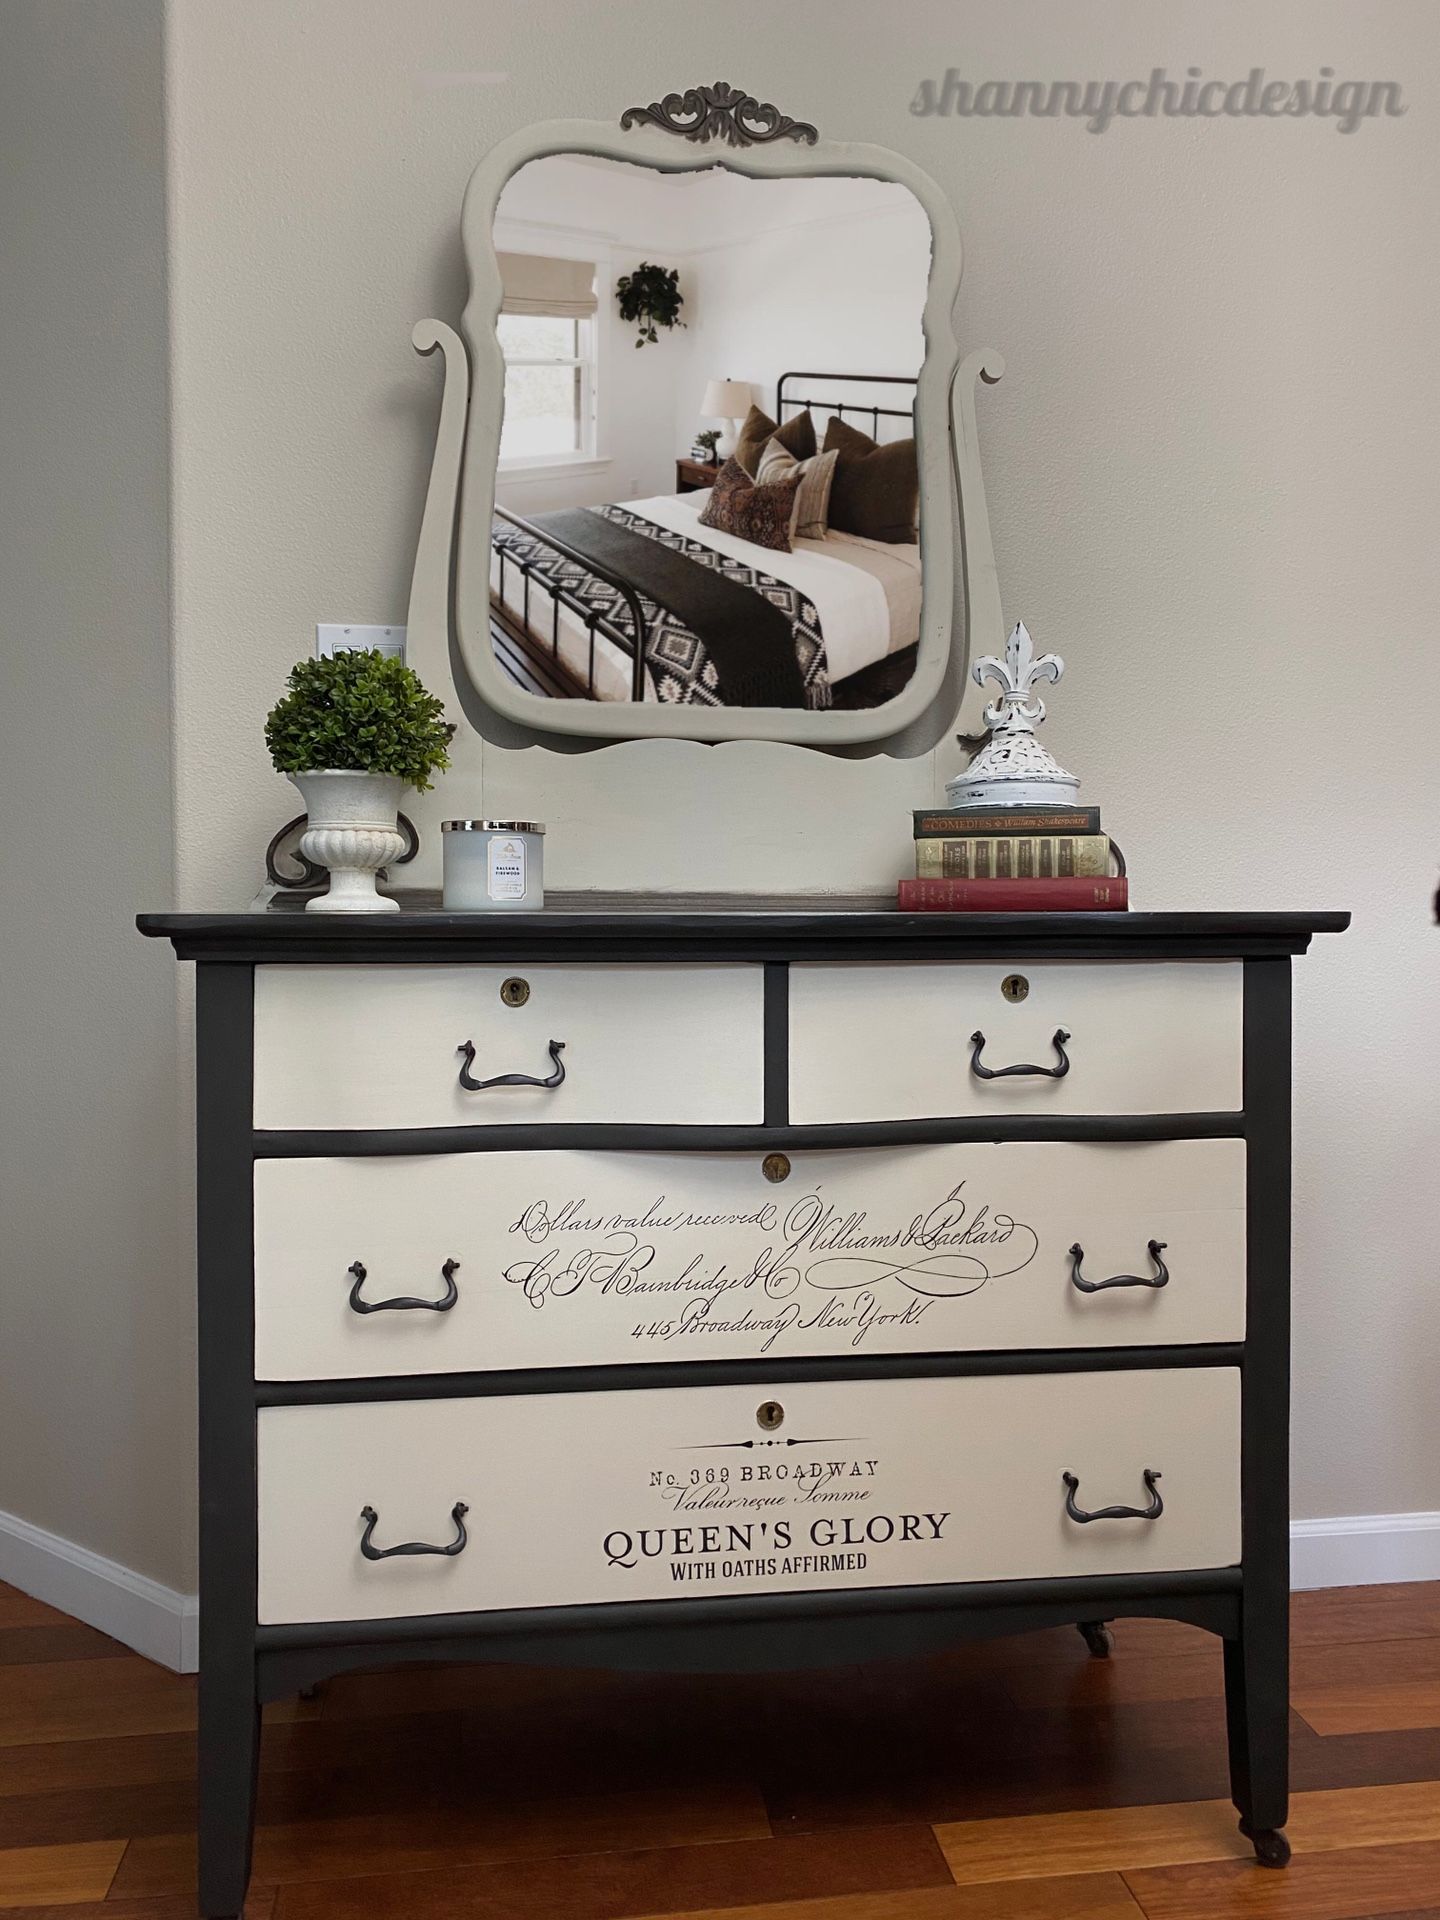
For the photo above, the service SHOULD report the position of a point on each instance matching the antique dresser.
(751, 1289)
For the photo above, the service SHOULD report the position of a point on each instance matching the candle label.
(505, 868)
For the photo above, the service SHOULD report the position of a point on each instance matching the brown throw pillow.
(762, 514)
(876, 490)
(815, 476)
(797, 436)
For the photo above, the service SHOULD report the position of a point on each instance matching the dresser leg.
(1257, 1714)
(229, 1745)
(1097, 1637)
(1257, 1664)
(229, 1759)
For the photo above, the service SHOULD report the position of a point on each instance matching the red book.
(1013, 896)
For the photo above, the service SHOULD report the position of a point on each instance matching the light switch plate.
(334, 638)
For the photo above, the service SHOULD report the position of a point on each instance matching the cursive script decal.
(950, 1276)
(764, 1272)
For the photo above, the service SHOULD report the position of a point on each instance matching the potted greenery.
(651, 297)
(354, 730)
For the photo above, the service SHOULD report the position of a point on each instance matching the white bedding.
(867, 595)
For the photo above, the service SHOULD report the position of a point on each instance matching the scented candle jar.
(493, 866)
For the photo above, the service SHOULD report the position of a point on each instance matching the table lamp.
(727, 401)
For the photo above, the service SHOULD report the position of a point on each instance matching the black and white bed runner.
(770, 656)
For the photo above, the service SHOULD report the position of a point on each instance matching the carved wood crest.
(721, 112)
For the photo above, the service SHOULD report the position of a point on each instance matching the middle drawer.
(491, 1261)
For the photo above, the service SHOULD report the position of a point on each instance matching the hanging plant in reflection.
(651, 298)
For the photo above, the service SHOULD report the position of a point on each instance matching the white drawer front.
(894, 1042)
(574, 1498)
(574, 1259)
(381, 1046)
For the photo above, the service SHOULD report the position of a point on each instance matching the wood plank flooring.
(1015, 1781)
(530, 669)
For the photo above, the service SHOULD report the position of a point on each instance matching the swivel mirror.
(707, 483)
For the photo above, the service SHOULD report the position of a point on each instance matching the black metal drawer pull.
(472, 1085)
(405, 1303)
(1057, 1072)
(457, 1545)
(1153, 1512)
(1160, 1277)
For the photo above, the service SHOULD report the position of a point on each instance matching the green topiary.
(360, 712)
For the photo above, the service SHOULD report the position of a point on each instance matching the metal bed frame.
(525, 636)
(841, 407)
(635, 642)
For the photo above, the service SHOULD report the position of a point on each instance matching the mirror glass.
(707, 490)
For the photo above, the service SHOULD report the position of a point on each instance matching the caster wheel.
(1272, 1849)
(1097, 1637)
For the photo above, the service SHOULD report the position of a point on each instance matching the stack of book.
(1014, 860)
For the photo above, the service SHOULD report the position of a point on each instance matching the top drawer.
(935, 1039)
(360, 1047)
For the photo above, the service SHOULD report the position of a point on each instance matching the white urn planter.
(352, 830)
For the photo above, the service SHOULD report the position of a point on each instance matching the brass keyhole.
(514, 991)
(776, 1166)
(1014, 986)
(769, 1415)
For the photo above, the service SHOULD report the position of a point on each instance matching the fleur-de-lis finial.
(1019, 706)
(1012, 769)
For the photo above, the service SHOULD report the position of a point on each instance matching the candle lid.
(491, 826)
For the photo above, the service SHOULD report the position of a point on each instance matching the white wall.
(95, 1343)
(1212, 481)
(822, 274)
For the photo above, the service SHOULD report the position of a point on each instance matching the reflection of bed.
(570, 608)
(865, 596)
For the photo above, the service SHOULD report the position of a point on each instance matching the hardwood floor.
(1015, 1781)
(530, 669)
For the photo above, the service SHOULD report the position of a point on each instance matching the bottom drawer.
(563, 1498)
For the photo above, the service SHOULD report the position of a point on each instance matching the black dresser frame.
(243, 1664)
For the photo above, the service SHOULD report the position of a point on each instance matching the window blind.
(535, 283)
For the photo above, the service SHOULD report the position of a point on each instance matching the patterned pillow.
(812, 501)
(750, 512)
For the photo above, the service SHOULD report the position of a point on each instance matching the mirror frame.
(706, 127)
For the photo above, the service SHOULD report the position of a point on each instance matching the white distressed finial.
(1018, 707)
(1012, 769)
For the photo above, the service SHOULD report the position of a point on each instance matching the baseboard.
(1355, 1550)
(1364, 1549)
(154, 1620)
